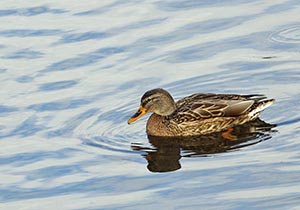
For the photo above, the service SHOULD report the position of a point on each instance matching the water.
(72, 74)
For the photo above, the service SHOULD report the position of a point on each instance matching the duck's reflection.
(168, 150)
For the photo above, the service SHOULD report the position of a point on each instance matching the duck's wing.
(203, 106)
(209, 109)
(218, 97)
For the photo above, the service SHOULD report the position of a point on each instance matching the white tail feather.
(260, 108)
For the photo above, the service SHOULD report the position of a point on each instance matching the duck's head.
(158, 101)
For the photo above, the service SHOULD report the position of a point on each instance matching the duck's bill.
(142, 111)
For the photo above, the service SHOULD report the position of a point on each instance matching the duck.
(197, 114)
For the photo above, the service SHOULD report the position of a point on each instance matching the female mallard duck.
(197, 114)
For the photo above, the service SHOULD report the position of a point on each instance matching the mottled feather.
(198, 107)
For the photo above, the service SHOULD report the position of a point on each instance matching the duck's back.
(205, 106)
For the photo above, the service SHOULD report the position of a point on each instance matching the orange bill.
(142, 111)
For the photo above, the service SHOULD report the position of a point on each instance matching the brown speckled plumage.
(198, 114)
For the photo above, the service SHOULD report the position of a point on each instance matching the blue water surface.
(72, 73)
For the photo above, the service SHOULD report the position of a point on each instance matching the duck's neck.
(156, 126)
(166, 108)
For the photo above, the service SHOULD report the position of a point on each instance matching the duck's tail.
(259, 106)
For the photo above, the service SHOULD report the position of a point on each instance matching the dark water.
(73, 73)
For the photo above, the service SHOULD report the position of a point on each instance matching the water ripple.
(26, 128)
(104, 9)
(171, 5)
(24, 54)
(68, 127)
(59, 105)
(251, 41)
(31, 11)
(30, 32)
(289, 35)
(110, 131)
(52, 86)
(84, 60)
(7, 109)
(78, 37)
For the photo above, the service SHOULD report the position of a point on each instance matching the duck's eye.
(146, 101)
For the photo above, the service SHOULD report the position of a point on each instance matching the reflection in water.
(168, 150)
